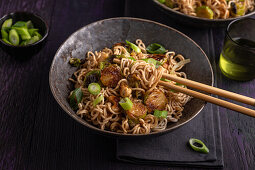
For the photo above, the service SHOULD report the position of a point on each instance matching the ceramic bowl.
(196, 21)
(105, 33)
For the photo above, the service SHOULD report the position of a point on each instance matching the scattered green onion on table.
(20, 33)
(198, 145)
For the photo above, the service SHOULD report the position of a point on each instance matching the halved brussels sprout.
(237, 9)
(204, 12)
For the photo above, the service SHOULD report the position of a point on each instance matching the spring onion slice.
(126, 103)
(4, 34)
(131, 58)
(163, 79)
(198, 145)
(7, 23)
(133, 46)
(6, 41)
(179, 64)
(29, 24)
(20, 24)
(32, 40)
(98, 100)
(152, 61)
(23, 32)
(13, 37)
(32, 31)
(160, 114)
(38, 35)
(155, 49)
(125, 56)
(94, 88)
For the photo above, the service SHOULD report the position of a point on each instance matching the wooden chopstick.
(211, 89)
(210, 99)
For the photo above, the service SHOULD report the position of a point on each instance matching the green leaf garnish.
(75, 98)
(155, 49)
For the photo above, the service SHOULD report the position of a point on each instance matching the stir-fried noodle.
(135, 78)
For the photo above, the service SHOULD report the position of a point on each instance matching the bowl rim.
(202, 19)
(106, 132)
(30, 45)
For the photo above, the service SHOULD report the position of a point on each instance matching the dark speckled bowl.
(105, 33)
(195, 21)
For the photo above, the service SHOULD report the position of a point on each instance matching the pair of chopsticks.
(208, 89)
(212, 90)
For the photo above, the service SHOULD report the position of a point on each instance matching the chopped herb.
(155, 49)
(98, 100)
(160, 114)
(133, 46)
(152, 61)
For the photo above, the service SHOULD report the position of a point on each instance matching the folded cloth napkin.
(173, 149)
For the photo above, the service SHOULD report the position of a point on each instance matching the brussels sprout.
(204, 12)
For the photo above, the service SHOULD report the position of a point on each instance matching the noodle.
(221, 8)
(107, 114)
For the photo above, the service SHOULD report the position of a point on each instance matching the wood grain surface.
(36, 134)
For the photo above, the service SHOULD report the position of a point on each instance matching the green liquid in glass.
(235, 62)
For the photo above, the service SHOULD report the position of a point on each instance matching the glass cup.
(237, 59)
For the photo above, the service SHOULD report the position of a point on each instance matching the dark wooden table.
(34, 131)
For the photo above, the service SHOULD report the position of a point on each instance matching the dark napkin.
(172, 148)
